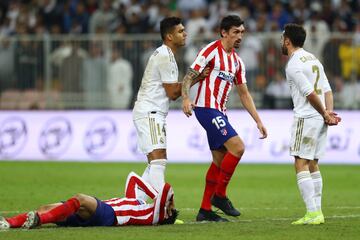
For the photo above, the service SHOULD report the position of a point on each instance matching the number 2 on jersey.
(218, 122)
(315, 69)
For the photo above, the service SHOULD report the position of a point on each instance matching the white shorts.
(151, 132)
(308, 138)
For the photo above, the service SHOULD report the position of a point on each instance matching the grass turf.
(266, 195)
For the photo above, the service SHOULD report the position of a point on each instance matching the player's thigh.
(305, 137)
(321, 142)
(88, 205)
(151, 132)
(216, 125)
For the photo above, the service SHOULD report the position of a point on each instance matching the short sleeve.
(300, 81)
(204, 57)
(167, 68)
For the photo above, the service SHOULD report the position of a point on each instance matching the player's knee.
(238, 151)
(82, 198)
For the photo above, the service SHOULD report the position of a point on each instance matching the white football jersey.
(305, 74)
(161, 68)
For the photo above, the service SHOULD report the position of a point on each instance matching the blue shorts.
(103, 216)
(217, 126)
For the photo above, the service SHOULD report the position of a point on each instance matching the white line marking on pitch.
(270, 209)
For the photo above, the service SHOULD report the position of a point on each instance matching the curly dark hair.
(171, 219)
(296, 33)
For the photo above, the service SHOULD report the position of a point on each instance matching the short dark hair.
(229, 22)
(296, 33)
(167, 25)
(171, 219)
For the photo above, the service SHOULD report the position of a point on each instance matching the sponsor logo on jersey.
(226, 76)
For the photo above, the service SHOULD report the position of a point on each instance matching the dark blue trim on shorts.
(216, 125)
(103, 216)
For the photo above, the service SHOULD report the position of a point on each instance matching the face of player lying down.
(170, 205)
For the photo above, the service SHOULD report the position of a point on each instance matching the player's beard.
(237, 44)
(284, 50)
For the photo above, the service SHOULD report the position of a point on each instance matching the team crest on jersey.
(226, 76)
(223, 132)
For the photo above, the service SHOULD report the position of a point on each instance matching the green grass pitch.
(266, 195)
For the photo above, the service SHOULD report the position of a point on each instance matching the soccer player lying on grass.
(85, 211)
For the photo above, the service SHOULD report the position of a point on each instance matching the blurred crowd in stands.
(86, 71)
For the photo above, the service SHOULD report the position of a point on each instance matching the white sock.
(306, 187)
(140, 194)
(157, 173)
(318, 185)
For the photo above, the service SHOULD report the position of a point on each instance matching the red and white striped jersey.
(225, 70)
(132, 211)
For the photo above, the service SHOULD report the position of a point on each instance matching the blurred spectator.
(69, 74)
(328, 14)
(349, 96)
(300, 11)
(63, 51)
(94, 76)
(185, 6)
(6, 64)
(277, 93)
(50, 12)
(26, 60)
(317, 32)
(350, 59)
(331, 60)
(119, 81)
(195, 25)
(250, 53)
(77, 21)
(102, 18)
(279, 15)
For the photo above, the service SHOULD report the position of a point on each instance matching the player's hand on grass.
(262, 130)
(187, 106)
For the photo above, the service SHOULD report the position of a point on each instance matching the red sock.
(61, 212)
(227, 169)
(17, 221)
(210, 185)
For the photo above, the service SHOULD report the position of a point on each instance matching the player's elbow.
(311, 96)
(173, 95)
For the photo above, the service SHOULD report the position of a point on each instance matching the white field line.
(276, 208)
(196, 209)
(277, 219)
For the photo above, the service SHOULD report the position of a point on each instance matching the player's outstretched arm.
(248, 103)
(187, 104)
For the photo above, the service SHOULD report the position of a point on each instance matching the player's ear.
(169, 36)
(287, 41)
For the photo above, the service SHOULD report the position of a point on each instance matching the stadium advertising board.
(110, 136)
